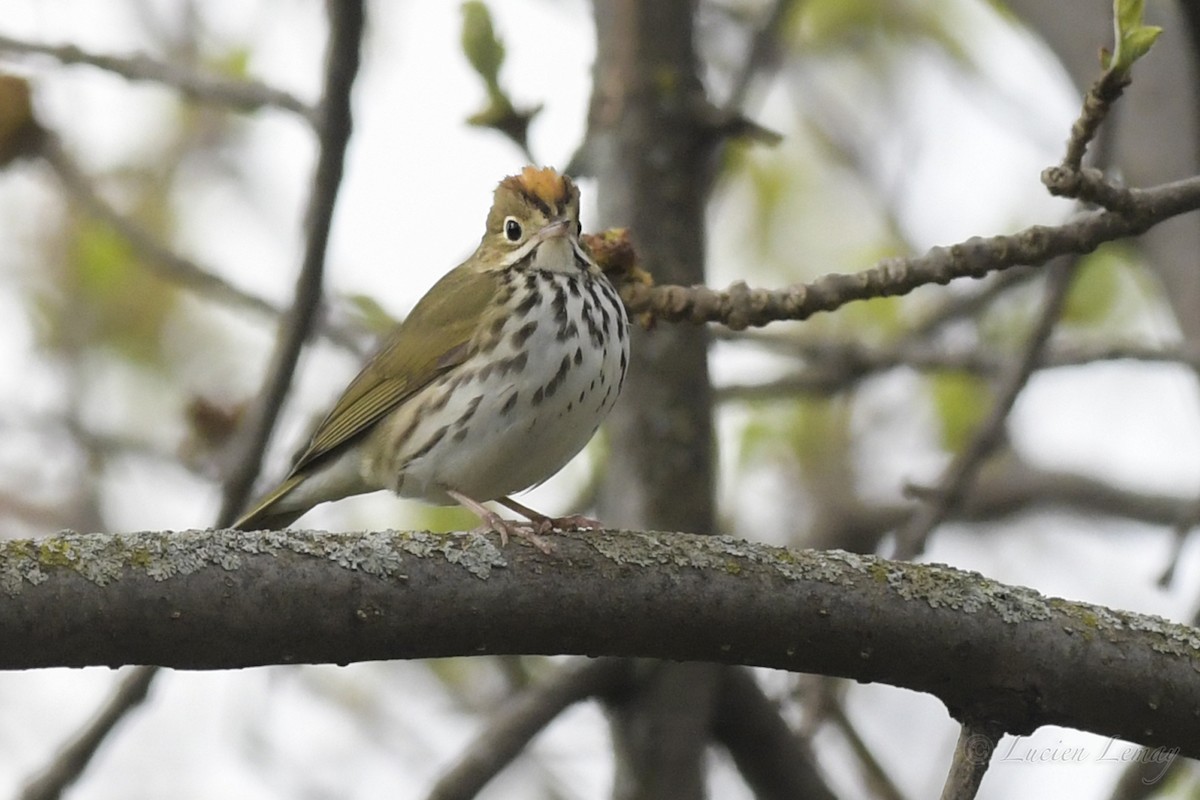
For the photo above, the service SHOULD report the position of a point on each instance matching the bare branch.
(245, 95)
(70, 763)
(346, 21)
(740, 306)
(958, 476)
(972, 754)
(987, 650)
(958, 307)
(166, 263)
(521, 718)
(880, 783)
(1097, 103)
(1014, 487)
(761, 55)
(775, 762)
(833, 366)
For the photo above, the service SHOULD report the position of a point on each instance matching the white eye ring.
(512, 229)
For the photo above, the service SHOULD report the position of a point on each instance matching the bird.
(501, 373)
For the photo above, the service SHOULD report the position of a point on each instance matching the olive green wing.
(434, 338)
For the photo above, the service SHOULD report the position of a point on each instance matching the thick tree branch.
(225, 599)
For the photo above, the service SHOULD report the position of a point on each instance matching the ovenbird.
(499, 375)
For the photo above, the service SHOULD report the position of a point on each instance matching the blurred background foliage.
(905, 123)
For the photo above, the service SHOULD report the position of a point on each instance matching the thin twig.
(161, 259)
(1097, 103)
(834, 366)
(968, 305)
(346, 20)
(879, 782)
(972, 754)
(243, 95)
(1187, 522)
(346, 25)
(763, 51)
(521, 718)
(166, 263)
(740, 306)
(1070, 178)
(73, 759)
(957, 478)
(1010, 488)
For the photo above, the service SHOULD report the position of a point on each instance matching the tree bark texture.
(228, 599)
(649, 154)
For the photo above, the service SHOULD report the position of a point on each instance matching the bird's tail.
(271, 512)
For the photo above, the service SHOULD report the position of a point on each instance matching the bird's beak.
(557, 229)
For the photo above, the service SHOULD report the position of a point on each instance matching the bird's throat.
(554, 255)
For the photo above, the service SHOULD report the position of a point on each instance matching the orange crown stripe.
(545, 184)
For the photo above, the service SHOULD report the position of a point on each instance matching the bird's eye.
(578, 229)
(512, 229)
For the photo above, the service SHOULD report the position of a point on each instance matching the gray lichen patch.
(477, 555)
(16, 567)
(103, 558)
(935, 585)
(33, 560)
(1171, 636)
(941, 586)
(724, 553)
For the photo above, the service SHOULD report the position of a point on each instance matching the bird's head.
(534, 224)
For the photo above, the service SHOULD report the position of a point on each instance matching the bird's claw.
(573, 522)
(494, 523)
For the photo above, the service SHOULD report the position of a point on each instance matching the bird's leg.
(494, 522)
(544, 524)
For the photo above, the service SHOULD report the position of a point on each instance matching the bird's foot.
(574, 522)
(544, 524)
(494, 523)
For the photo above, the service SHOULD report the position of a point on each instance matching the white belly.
(508, 427)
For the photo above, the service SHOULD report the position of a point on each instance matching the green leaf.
(368, 314)
(1096, 290)
(960, 401)
(1132, 39)
(233, 64)
(485, 51)
(810, 430)
(479, 42)
(877, 319)
(126, 305)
